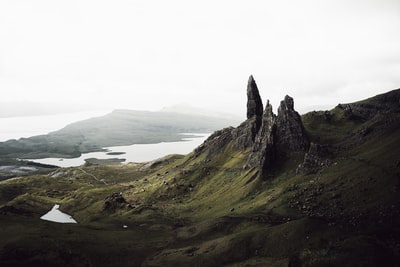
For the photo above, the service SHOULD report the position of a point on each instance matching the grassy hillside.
(204, 209)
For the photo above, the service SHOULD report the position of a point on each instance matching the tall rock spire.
(268, 139)
(254, 103)
(264, 152)
(245, 134)
(291, 133)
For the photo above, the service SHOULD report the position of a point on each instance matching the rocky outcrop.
(254, 103)
(369, 108)
(114, 201)
(277, 137)
(315, 159)
(264, 152)
(269, 137)
(216, 142)
(290, 130)
(245, 134)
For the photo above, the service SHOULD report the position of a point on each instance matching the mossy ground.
(205, 210)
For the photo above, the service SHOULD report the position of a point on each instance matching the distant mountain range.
(120, 127)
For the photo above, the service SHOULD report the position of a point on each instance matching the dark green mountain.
(282, 189)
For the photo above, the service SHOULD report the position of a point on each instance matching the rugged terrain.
(320, 189)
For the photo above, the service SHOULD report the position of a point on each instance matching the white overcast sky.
(150, 54)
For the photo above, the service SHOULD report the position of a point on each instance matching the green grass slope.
(203, 209)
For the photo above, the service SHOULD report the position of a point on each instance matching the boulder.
(114, 201)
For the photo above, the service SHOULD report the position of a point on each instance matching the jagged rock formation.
(367, 109)
(254, 103)
(315, 159)
(246, 133)
(264, 149)
(277, 136)
(291, 133)
(269, 137)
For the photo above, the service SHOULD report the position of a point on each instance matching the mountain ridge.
(323, 192)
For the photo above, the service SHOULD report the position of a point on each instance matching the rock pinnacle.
(254, 103)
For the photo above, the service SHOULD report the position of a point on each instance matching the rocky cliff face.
(291, 133)
(369, 108)
(254, 102)
(267, 136)
(315, 159)
(277, 137)
(245, 134)
(264, 152)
